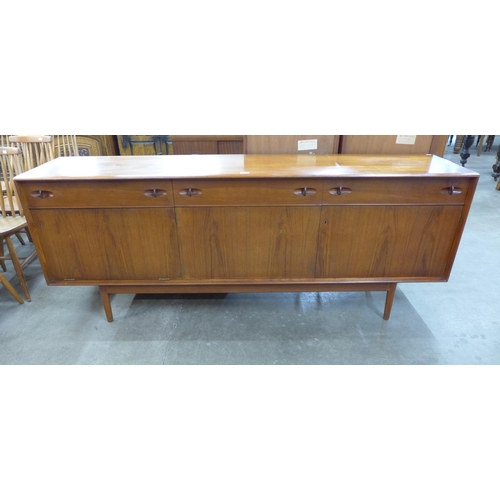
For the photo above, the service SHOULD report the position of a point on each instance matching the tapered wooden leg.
(389, 299)
(106, 303)
(17, 267)
(10, 288)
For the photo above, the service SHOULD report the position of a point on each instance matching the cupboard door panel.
(246, 243)
(108, 244)
(386, 242)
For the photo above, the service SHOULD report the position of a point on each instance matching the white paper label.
(406, 139)
(309, 144)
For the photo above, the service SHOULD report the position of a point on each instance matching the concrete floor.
(438, 323)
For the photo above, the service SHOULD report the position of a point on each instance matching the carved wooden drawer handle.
(155, 193)
(340, 190)
(305, 191)
(451, 190)
(42, 194)
(190, 192)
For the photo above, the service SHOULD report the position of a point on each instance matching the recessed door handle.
(305, 191)
(340, 190)
(155, 193)
(190, 192)
(42, 194)
(451, 190)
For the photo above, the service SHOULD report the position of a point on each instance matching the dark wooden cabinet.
(96, 145)
(133, 145)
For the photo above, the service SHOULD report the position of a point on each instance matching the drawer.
(101, 193)
(395, 191)
(248, 192)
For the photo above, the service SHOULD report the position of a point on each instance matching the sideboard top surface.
(239, 166)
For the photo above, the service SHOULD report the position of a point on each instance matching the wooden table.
(246, 223)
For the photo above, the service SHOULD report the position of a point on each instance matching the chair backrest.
(65, 145)
(10, 166)
(36, 149)
(4, 140)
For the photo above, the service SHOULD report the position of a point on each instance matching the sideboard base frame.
(107, 290)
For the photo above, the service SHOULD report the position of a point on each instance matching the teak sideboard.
(246, 223)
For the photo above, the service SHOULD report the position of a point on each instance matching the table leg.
(464, 152)
(496, 168)
(106, 303)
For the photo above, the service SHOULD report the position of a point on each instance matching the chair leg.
(20, 238)
(2, 255)
(10, 288)
(17, 267)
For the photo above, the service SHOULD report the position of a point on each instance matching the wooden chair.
(12, 220)
(65, 145)
(36, 149)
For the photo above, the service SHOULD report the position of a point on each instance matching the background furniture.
(97, 145)
(277, 144)
(207, 144)
(282, 144)
(65, 145)
(12, 220)
(5, 282)
(388, 144)
(243, 223)
(496, 169)
(143, 144)
(479, 144)
(36, 149)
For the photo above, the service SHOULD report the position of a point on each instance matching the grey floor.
(438, 323)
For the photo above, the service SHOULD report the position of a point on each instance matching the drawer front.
(248, 192)
(397, 191)
(93, 194)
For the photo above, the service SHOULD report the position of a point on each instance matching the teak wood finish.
(246, 223)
